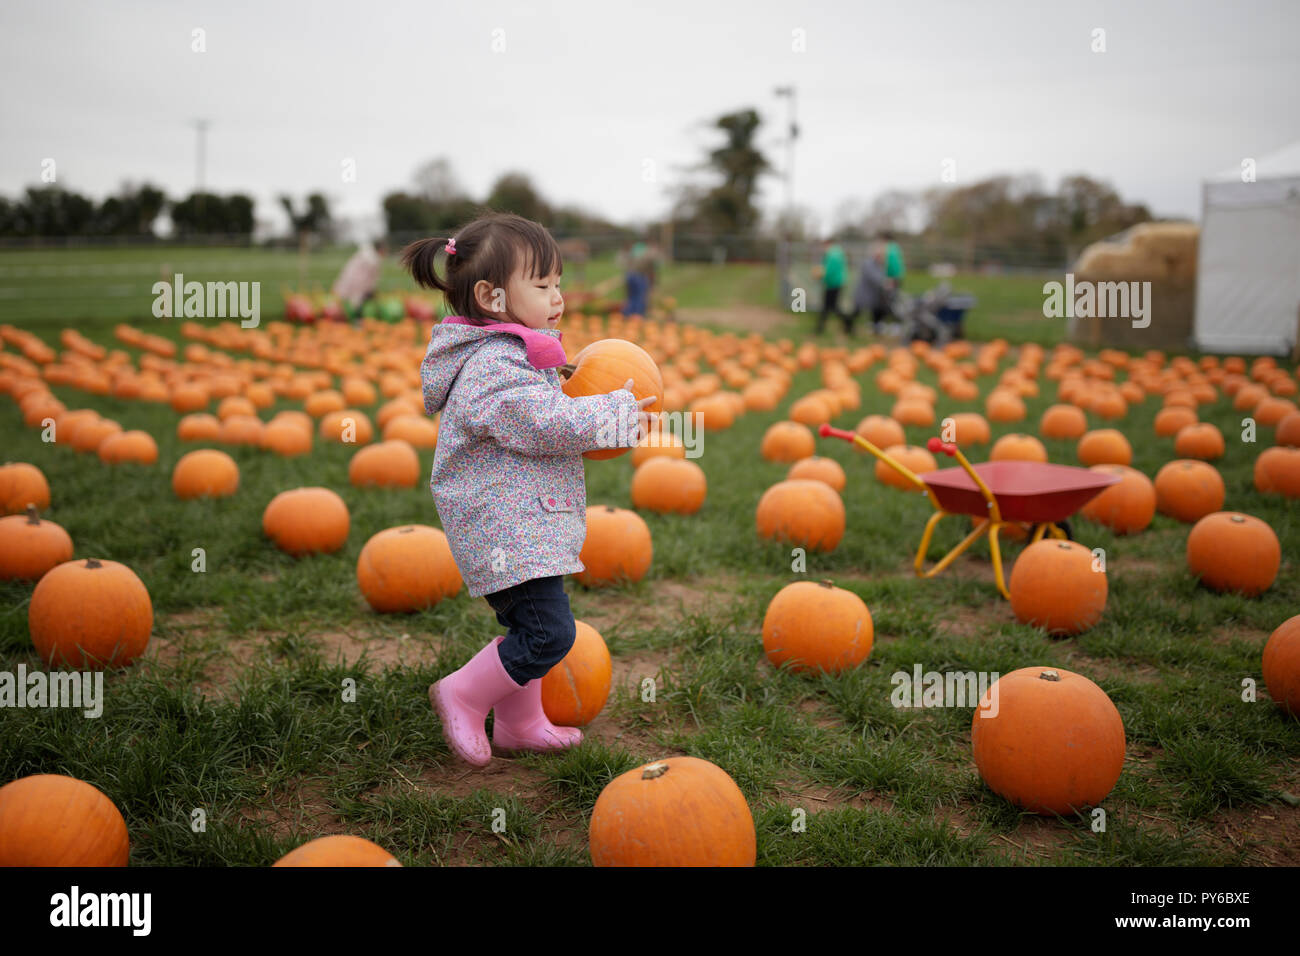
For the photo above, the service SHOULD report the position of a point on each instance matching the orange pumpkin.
(817, 626)
(53, 820)
(1105, 446)
(1277, 469)
(286, 437)
(389, 464)
(658, 444)
(968, 428)
(90, 435)
(1004, 405)
(618, 547)
(407, 569)
(574, 691)
(1017, 447)
(321, 403)
(802, 512)
(605, 366)
(1202, 440)
(1189, 490)
(816, 468)
(1048, 740)
(416, 430)
(682, 811)
(1281, 665)
(1063, 422)
(29, 546)
(1126, 507)
(669, 485)
(1229, 551)
(1288, 430)
(912, 411)
(338, 850)
(348, 426)
(90, 614)
(198, 427)
(307, 521)
(881, 431)
(917, 459)
(1170, 421)
(21, 485)
(1054, 586)
(133, 446)
(205, 473)
(788, 441)
(241, 430)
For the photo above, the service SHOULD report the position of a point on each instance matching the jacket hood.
(454, 341)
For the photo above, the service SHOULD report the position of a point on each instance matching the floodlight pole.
(783, 265)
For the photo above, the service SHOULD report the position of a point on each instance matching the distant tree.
(132, 212)
(53, 211)
(514, 192)
(314, 220)
(727, 207)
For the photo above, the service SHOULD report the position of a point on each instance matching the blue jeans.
(540, 626)
(638, 288)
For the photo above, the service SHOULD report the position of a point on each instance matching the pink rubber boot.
(520, 723)
(464, 698)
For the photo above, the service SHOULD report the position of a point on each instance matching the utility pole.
(784, 255)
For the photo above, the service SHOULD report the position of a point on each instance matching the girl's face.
(533, 301)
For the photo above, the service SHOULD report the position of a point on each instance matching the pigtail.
(418, 258)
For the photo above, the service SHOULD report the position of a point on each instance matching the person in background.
(832, 271)
(872, 293)
(638, 283)
(894, 268)
(359, 277)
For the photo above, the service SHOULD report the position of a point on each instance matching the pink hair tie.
(451, 246)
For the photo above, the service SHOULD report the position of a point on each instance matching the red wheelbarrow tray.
(1028, 491)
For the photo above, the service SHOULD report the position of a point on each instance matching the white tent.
(1248, 274)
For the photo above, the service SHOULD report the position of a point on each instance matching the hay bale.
(1112, 261)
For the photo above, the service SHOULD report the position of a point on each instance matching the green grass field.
(236, 708)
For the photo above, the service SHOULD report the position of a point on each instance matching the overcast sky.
(581, 95)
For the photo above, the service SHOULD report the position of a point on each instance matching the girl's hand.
(646, 421)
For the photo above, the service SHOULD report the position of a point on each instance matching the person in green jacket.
(833, 270)
(894, 268)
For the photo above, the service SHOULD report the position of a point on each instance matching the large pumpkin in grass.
(21, 485)
(407, 568)
(348, 426)
(92, 613)
(669, 485)
(1048, 740)
(52, 820)
(307, 521)
(1288, 430)
(205, 473)
(618, 547)
(338, 850)
(1200, 440)
(968, 428)
(605, 366)
(817, 626)
(816, 468)
(389, 464)
(134, 446)
(418, 431)
(1170, 421)
(30, 546)
(286, 437)
(1105, 446)
(803, 512)
(658, 444)
(1277, 471)
(912, 457)
(1281, 665)
(1229, 551)
(1054, 586)
(1018, 447)
(788, 441)
(1063, 422)
(682, 811)
(1126, 507)
(198, 427)
(1189, 490)
(881, 431)
(575, 690)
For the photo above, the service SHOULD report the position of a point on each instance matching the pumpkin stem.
(92, 563)
(654, 770)
(567, 370)
(826, 583)
(33, 516)
(1049, 675)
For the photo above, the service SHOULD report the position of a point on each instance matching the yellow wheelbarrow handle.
(826, 431)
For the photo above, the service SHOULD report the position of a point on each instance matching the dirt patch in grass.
(1227, 635)
(383, 651)
(1268, 835)
(815, 797)
(670, 602)
(963, 621)
(299, 808)
(1093, 667)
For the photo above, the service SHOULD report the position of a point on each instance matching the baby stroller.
(935, 316)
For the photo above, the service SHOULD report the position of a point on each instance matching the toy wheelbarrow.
(1001, 492)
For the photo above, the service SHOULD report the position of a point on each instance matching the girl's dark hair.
(491, 247)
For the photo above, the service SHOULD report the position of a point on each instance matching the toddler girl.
(508, 471)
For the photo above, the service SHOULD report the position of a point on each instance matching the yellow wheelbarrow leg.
(947, 559)
(1039, 530)
(996, 552)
